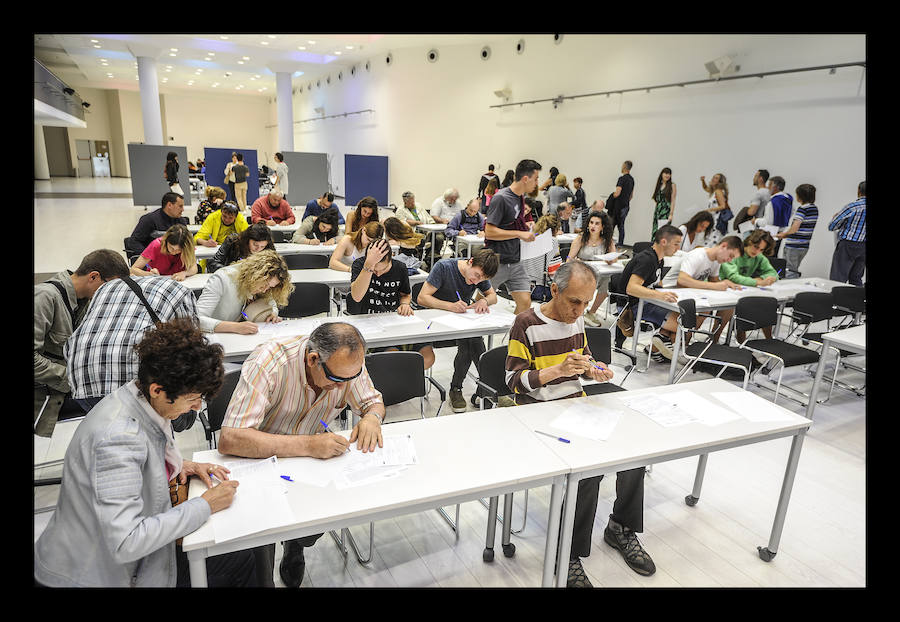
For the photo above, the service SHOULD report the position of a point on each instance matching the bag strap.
(140, 294)
(65, 298)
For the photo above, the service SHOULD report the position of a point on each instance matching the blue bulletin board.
(365, 176)
(217, 158)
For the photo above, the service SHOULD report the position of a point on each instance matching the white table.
(432, 229)
(331, 278)
(287, 248)
(604, 269)
(282, 228)
(461, 458)
(563, 239)
(638, 441)
(238, 347)
(852, 339)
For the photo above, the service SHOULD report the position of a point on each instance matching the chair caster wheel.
(488, 555)
(691, 500)
(509, 550)
(765, 554)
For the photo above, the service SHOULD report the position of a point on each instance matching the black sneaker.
(663, 345)
(292, 565)
(626, 542)
(576, 576)
(656, 356)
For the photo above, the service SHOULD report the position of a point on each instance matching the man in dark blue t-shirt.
(621, 202)
(450, 286)
(316, 206)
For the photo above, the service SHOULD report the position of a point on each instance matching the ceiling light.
(271, 36)
(349, 47)
(265, 88)
(245, 57)
(168, 71)
(223, 37)
(240, 62)
(173, 49)
(207, 58)
(301, 47)
(94, 41)
(210, 53)
(264, 43)
(253, 78)
(338, 52)
(311, 42)
(97, 46)
(257, 76)
(172, 54)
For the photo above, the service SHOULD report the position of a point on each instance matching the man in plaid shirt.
(100, 354)
(849, 260)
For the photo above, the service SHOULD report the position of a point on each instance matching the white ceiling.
(217, 63)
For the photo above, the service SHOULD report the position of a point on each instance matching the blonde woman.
(718, 202)
(262, 277)
(398, 231)
(171, 255)
(353, 245)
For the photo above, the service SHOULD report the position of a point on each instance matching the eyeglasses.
(334, 378)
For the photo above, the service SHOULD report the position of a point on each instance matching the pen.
(591, 359)
(286, 477)
(429, 325)
(245, 316)
(559, 438)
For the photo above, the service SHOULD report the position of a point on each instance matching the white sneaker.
(591, 319)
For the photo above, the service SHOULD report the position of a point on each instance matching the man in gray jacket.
(59, 307)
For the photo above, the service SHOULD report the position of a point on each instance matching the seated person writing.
(220, 224)
(114, 524)
(380, 284)
(262, 280)
(450, 286)
(640, 277)
(287, 388)
(366, 211)
(410, 242)
(158, 220)
(353, 245)
(272, 209)
(469, 221)
(547, 353)
(321, 229)
(171, 255)
(316, 206)
(700, 270)
(215, 196)
(752, 269)
(238, 246)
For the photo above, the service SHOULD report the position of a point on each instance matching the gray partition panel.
(307, 176)
(148, 180)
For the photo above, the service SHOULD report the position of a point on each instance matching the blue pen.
(559, 438)
(327, 429)
(287, 477)
(245, 316)
(593, 362)
(429, 325)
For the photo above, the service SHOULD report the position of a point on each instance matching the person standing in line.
(849, 261)
(579, 204)
(241, 177)
(486, 179)
(171, 173)
(558, 194)
(508, 178)
(505, 230)
(664, 197)
(782, 206)
(549, 183)
(799, 234)
(489, 193)
(761, 195)
(281, 174)
(623, 194)
(717, 205)
(229, 175)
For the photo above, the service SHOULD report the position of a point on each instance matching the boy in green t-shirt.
(752, 268)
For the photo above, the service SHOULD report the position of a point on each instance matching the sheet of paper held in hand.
(593, 422)
(542, 245)
(609, 256)
(260, 502)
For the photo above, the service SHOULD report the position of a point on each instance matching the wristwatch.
(380, 419)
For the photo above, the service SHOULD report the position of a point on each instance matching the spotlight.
(69, 91)
(86, 104)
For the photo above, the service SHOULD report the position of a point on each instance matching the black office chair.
(307, 299)
(305, 262)
(757, 312)
(399, 377)
(617, 294)
(640, 247)
(849, 300)
(717, 358)
(281, 236)
(780, 266)
(600, 344)
(212, 416)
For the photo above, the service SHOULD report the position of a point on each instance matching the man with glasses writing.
(288, 388)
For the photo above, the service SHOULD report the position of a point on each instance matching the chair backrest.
(415, 291)
(640, 247)
(306, 299)
(850, 297)
(492, 370)
(812, 307)
(615, 284)
(688, 316)
(600, 343)
(217, 406)
(754, 312)
(281, 236)
(398, 376)
(305, 262)
(779, 264)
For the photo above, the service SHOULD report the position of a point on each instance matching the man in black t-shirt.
(380, 284)
(622, 200)
(639, 279)
(158, 220)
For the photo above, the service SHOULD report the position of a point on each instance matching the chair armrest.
(437, 385)
(206, 427)
(487, 389)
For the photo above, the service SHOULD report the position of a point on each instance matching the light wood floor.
(710, 545)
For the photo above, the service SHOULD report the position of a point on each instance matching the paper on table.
(288, 328)
(658, 410)
(360, 468)
(593, 422)
(259, 503)
(746, 226)
(772, 229)
(707, 412)
(608, 256)
(389, 320)
(542, 245)
(751, 406)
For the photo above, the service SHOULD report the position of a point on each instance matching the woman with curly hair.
(353, 245)
(171, 255)
(251, 289)
(215, 196)
(595, 239)
(237, 246)
(366, 211)
(114, 524)
(718, 206)
(321, 229)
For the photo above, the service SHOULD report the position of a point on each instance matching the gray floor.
(710, 545)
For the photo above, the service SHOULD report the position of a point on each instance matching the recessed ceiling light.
(311, 42)
(264, 43)
(245, 57)
(94, 41)
(253, 78)
(349, 47)
(169, 70)
(172, 54)
(173, 49)
(199, 71)
(257, 76)
(97, 46)
(272, 36)
(210, 53)
(207, 58)
(338, 52)
(223, 37)
(240, 62)
(301, 47)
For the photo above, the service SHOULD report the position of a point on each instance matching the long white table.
(470, 241)
(279, 228)
(238, 347)
(852, 339)
(432, 230)
(331, 278)
(462, 457)
(286, 248)
(638, 441)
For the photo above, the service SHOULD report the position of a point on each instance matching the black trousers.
(265, 557)
(236, 569)
(619, 222)
(628, 509)
(468, 351)
(849, 262)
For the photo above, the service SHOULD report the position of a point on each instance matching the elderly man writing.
(272, 209)
(547, 354)
(288, 387)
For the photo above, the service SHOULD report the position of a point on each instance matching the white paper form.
(593, 422)
(470, 319)
(259, 503)
(658, 410)
(288, 328)
(746, 226)
(542, 245)
(702, 409)
(608, 256)
(772, 229)
(359, 468)
(751, 406)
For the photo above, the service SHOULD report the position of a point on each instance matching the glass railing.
(54, 92)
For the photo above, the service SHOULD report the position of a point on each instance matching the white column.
(153, 134)
(41, 166)
(285, 103)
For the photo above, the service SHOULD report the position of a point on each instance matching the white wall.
(435, 124)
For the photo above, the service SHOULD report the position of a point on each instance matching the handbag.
(178, 494)
(258, 310)
(176, 188)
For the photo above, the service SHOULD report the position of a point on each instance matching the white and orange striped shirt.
(273, 395)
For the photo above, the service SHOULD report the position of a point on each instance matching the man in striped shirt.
(547, 353)
(849, 261)
(286, 387)
(799, 233)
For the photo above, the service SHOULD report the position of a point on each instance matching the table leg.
(565, 537)
(432, 246)
(488, 554)
(509, 549)
(768, 553)
(674, 363)
(694, 497)
(637, 328)
(552, 543)
(197, 566)
(820, 370)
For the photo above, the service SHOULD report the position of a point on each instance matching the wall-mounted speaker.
(485, 52)
(520, 46)
(432, 56)
(389, 59)
(557, 38)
